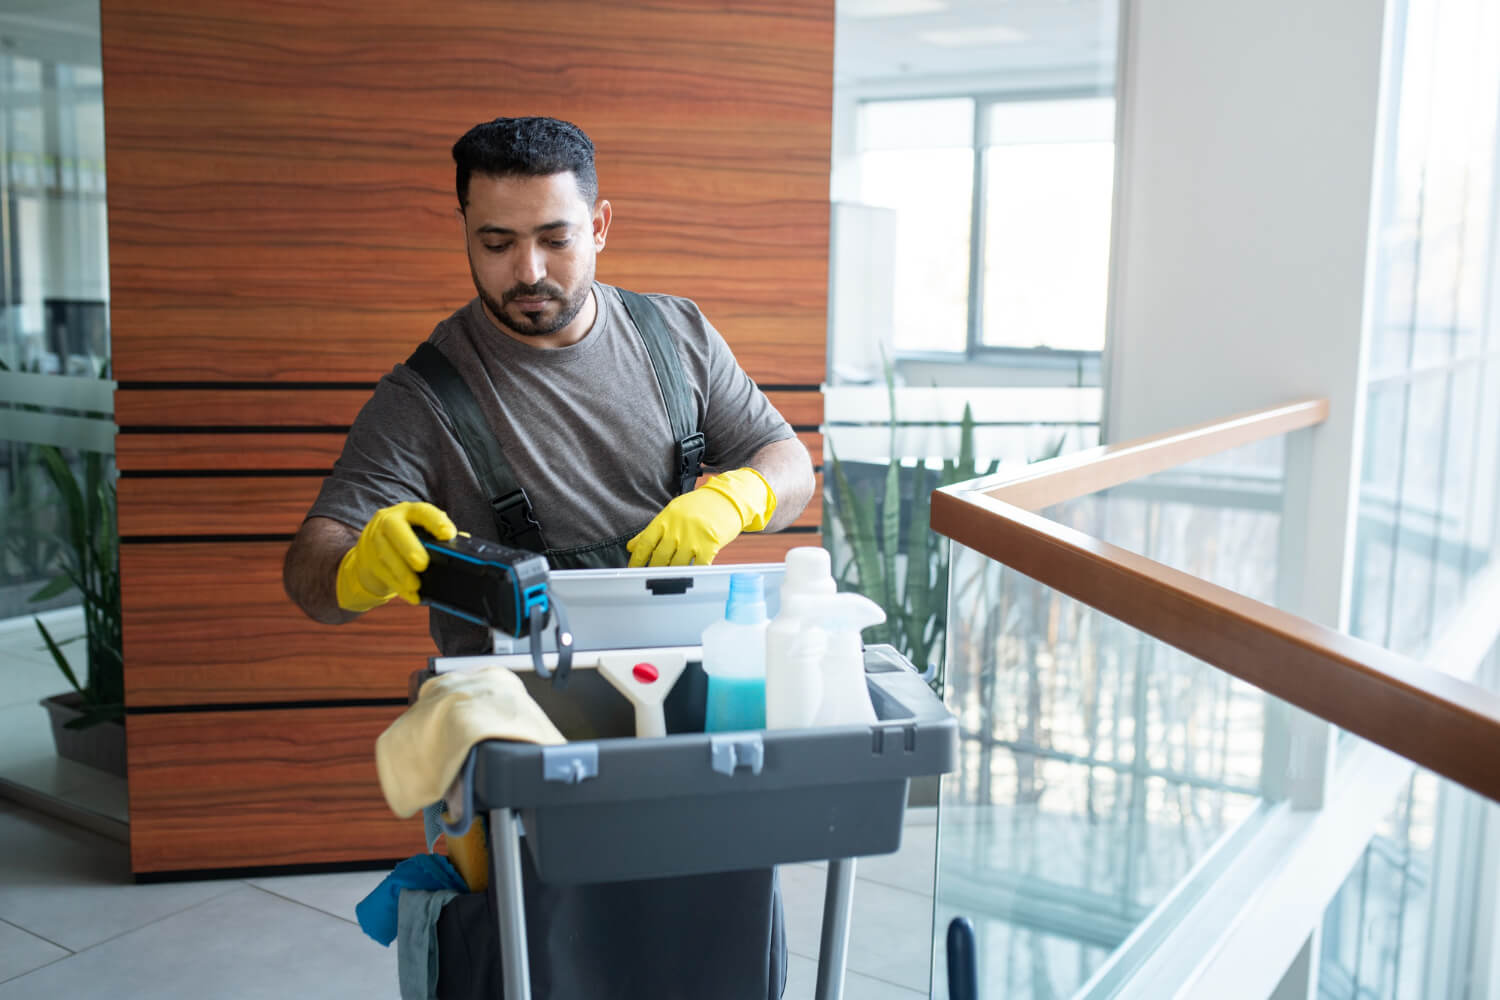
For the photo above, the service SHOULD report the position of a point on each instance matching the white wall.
(1247, 141)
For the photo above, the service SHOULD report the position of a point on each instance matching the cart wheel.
(963, 969)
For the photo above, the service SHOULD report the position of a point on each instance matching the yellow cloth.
(387, 556)
(695, 526)
(419, 755)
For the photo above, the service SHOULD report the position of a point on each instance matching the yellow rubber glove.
(695, 526)
(387, 557)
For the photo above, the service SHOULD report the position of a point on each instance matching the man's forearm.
(788, 469)
(310, 572)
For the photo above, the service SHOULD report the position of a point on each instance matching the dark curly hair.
(530, 147)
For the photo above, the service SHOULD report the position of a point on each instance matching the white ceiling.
(888, 45)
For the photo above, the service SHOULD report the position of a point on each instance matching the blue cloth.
(377, 912)
(417, 942)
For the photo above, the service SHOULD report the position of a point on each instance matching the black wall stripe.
(265, 871)
(239, 386)
(264, 706)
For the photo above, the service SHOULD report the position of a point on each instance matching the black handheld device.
(484, 582)
(499, 587)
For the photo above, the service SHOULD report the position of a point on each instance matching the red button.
(645, 673)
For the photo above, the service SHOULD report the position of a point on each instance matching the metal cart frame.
(690, 803)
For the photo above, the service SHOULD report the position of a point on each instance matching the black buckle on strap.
(690, 461)
(516, 523)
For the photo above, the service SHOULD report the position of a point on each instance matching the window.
(1041, 172)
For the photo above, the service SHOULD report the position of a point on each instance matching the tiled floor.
(72, 923)
(30, 769)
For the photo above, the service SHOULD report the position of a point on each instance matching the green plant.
(914, 595)
(31, 545)
(91, 563)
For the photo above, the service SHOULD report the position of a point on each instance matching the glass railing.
(1144, 757)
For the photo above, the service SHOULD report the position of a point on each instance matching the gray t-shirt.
(583, 427)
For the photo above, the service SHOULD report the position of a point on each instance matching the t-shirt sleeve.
(387, 457)
(737, 419)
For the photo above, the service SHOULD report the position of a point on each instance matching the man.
(589, 409)
(569, 390)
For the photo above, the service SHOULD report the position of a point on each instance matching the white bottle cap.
(808, 571)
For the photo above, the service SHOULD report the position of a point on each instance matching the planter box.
(100, 746)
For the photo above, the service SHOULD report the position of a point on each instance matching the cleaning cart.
(609, 807)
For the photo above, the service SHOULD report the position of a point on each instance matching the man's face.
(532, 243)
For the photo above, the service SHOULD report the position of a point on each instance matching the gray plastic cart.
(609, 807)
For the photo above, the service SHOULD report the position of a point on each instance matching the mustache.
(540, 290)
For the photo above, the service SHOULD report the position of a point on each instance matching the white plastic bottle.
(734, 658)
(794, 679)
(840, 618)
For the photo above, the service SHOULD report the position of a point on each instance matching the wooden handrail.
(1441, 722)
(1068, 477)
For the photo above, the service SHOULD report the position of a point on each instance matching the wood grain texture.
(281, 201)
(256, 451)
(1393, 701)
(208, 624)
(282, 232)
(180, 507)
(212, 790)
(233, 406)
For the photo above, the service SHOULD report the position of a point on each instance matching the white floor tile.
(802, 982)
(60, 622)
(890, 935)
(246, 944)
(333, 894)
(107, 796)
(74, 888)
(21, 952)
(912, 866)
(29, 757)
(27, 677)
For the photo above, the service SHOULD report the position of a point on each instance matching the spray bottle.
(833, 625)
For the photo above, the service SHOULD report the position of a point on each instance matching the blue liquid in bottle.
(734, 658)
(735, 703)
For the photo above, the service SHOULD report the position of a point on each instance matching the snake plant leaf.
(57, 656)
(890, 536)
(966, 443)
(67, 488)
(859, 524)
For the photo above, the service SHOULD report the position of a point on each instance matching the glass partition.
(1104, 776)
(1101, 774)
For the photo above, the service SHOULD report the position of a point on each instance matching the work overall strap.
(674, 389)
(515, 522)
(515, 519)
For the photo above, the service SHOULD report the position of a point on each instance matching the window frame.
(975, 350)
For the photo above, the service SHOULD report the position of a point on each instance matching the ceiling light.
(995, 34)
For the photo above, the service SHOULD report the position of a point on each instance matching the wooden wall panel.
(281, 194)
(215, 790)
(281, 218)
(207, 623)
(335, 409)
(179, 452)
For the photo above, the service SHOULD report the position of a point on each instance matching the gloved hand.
(695, 526)
(387, 557)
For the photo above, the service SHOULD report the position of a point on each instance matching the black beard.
(536, 327)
